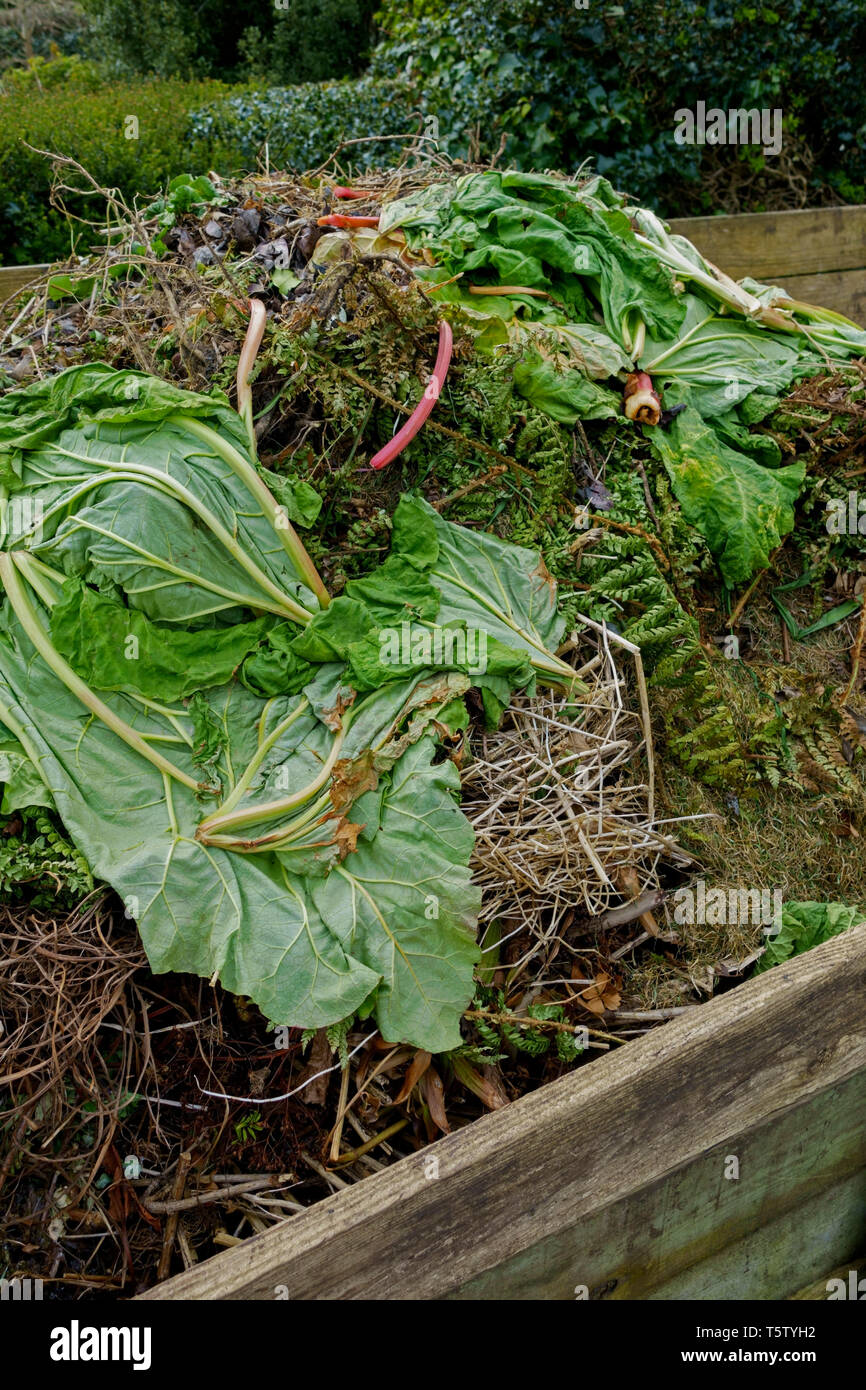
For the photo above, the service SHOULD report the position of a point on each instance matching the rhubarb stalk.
(431, 394)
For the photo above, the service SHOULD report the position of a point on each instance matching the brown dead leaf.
(315, 1092)
(629, 885)
(434, 1095)
(544, 573)
(333, 716)
(854, 725)
(258, 1079)
(419, 1064)
(487, 1086)
(346, 836)
(601, 995)
(352, 777)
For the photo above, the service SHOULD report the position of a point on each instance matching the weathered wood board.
(818, 254)
(721, 1156)
(14, 278)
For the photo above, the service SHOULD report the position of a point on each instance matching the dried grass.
(561, 798)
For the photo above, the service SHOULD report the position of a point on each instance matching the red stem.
(342, 219)
(340, 192)
(432, 390)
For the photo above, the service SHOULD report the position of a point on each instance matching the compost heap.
(256, 767)
(593, 290)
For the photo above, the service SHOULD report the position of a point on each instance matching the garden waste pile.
(408, 588)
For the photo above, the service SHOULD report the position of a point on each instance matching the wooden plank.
(818, 1290)
(517, 1191)
(767, 245)
(14, 278)
(769, 1262)
(687, 1234)
(842, 290)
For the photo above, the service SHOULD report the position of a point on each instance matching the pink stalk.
(342, 219)
(432, 390)
(339, 191)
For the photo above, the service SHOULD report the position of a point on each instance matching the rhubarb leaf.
(118, 648)
(741, 509)
(805, 925)
(256, 776)
(483, 582)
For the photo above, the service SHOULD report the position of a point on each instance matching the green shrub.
(72, 119)
(286, 41)
(303, 125)
(564, 84)
(310, 41)
(41, 75)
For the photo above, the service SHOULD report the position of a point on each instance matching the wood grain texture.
(769, 1261)
(713, 1230)
(524, 1195)
(14, 278)
(818, 255)
(768, 244)
(818, 1291)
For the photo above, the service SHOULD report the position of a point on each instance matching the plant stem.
(252, 342)
(289, 538)
(281, 838)
(243, 782)
(267, 810)
(14, 725)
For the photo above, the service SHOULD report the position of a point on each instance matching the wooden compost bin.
(817, 254)
(618, 1178)
(722, 1156)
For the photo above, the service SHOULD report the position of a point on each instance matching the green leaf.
(807, 924)
(258, 784)
(123, 490)
(740, 508)
(301, 502)
(564, 394)
(118, 648)
(483, 582)
(309, 951)
(81, 286)
(721, 361)
(22, 784)
(828, 619)
(399, 588)
(285, 280)
(404, 903)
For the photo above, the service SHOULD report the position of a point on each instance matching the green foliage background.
(561, 84)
